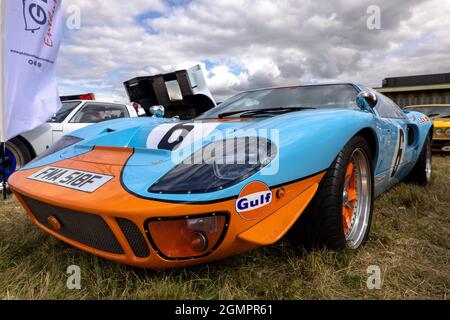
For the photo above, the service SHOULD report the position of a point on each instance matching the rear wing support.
(183, 93)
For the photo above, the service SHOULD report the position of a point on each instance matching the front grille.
(441, 143)
(134, 237)
(88, 229)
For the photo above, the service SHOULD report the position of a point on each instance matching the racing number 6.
(175, 136)
(400, 152)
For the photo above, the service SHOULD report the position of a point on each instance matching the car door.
(394, 152)
(94, 112)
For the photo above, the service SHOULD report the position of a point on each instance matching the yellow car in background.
(440, 115)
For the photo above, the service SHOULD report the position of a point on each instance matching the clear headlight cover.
(217, 166)
(61, 144)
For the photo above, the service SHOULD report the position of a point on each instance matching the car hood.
(441, 123)
(154, 140)
(307, 143)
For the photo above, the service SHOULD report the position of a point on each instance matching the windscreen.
(320, 96)
(66, 109)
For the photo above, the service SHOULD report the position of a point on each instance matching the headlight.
(447, 132)
(62, 143)
(438, 132)
(187, 237)
(217, 166)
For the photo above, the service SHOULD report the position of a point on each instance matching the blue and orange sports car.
(306, 161)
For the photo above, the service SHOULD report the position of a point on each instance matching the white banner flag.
(32, 36)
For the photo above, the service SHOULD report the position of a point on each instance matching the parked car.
(306, 161)
(440, 115)
(73, 115)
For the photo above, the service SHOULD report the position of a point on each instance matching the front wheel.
(340, 214)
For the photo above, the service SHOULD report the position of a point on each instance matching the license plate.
(73, 179)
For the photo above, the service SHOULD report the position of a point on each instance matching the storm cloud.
(245, 44)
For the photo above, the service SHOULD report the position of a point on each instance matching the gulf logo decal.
(253, 200)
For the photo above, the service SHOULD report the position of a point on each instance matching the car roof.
(72, 101)
(302, 85)
(95, 101)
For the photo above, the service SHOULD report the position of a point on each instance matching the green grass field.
(410, 242)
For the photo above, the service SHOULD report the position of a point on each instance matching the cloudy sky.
(246, 44)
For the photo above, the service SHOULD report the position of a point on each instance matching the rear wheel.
(340, 214)
(421, 173)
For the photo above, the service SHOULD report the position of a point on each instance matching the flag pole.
(2, 93)
(3, 147)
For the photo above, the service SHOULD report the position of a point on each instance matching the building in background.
(416, 90)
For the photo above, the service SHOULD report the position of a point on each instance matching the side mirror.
(157, 111)
(366, 100)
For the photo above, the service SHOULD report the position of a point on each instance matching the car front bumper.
(440, 145)
(111, 222)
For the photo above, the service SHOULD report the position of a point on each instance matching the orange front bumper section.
(112, 202)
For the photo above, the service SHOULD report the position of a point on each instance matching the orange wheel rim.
(350, 197)
(357, 199)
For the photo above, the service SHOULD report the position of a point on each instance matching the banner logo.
(34, 15)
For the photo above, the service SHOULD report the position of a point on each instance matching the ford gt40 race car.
(304, 161)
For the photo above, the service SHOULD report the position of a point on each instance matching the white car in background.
(73, 115)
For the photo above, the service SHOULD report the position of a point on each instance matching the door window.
(388, 109)
(95, 113)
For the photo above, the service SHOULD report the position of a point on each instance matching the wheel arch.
(27, 144)
(372, 140)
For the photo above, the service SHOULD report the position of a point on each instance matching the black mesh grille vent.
(134, 237)
(88, 229)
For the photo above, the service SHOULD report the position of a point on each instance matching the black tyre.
(422, 171)
(17, 155)
(340, 214)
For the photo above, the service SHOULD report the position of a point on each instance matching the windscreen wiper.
(262, 111)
